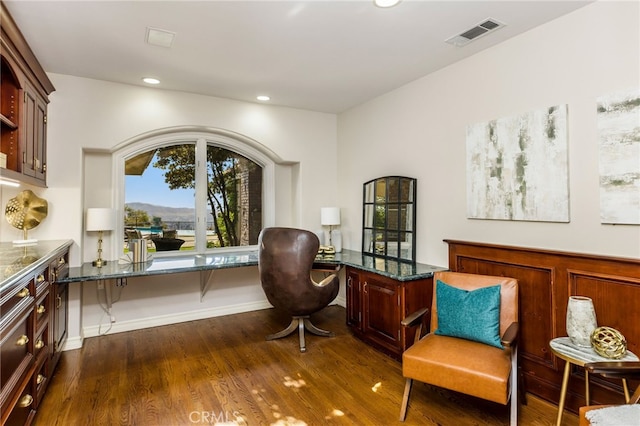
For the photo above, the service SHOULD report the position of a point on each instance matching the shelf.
(8, 122)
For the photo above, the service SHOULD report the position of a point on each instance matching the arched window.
(194, 191)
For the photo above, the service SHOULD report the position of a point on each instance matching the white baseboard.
(73, 343)
(138, 324)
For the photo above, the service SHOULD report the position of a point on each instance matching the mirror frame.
(389, 218)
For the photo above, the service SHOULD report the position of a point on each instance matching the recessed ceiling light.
(386, 3)
(263, 98)
(150, 80)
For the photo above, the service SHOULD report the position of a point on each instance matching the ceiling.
(325, 56)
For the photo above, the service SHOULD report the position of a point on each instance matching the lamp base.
(29, 242)
(99, 263)
(336, 240)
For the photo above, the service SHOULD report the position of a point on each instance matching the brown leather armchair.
(444, 359)
(628, 370)
(285, 261)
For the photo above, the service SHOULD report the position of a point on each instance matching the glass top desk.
(576, 355)
(207, 263)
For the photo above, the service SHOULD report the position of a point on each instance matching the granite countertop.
(236, 259)
(18, 261)
(401, 271)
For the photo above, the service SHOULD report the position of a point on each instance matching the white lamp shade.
(100, 219)
(330, 216)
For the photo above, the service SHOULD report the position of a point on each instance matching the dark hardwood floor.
(222, 371)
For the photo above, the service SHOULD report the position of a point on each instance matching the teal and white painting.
(517, 167)
(619, 157)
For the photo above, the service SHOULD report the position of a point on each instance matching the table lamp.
(101, 220)
(330, 216)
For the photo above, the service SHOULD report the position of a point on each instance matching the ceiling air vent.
(158, 37)
(487, 26)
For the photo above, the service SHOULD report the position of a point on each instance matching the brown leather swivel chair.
(463, 365)
(285, 261)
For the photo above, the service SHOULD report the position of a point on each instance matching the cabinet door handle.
(25, 401)
(23, 340)
(58, 302)
(349, 282)
(364, 287)
(39, 344)
(41, 309)
(23, 293)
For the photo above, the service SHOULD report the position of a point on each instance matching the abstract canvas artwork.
(619, 157)
(517, 167)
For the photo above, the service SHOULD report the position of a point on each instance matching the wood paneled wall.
(546, 280)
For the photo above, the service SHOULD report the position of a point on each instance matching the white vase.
(581, 320)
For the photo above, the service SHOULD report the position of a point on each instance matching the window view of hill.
(167, 214)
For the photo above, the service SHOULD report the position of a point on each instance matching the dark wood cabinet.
(376, 304)
(33, 321)
(59, 306)
(35, 134)
(24, 93)
(354, 313)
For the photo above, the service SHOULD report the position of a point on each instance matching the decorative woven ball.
(608, 342)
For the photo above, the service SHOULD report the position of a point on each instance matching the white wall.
(419, 131)
(87, 114)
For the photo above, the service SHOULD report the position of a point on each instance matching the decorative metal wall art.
(26, 211)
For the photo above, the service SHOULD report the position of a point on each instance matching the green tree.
(133, 218)
(178, 163)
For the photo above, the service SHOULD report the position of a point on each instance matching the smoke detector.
(485, 27)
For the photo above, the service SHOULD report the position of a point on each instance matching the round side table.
(576, 355)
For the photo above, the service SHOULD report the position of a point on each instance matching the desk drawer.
(59, 268)
(42, 310)
(41, 280)
(41, 342)
(41, 380)
(15, 350)
(24, 410)
(12, 299)
(14, 347)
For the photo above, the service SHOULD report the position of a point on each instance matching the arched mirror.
(389, 218)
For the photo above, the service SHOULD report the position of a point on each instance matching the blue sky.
(151, 188)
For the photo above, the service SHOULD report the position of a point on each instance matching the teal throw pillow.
(472, 315)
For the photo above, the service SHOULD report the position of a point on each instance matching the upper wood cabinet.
(24, 93)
